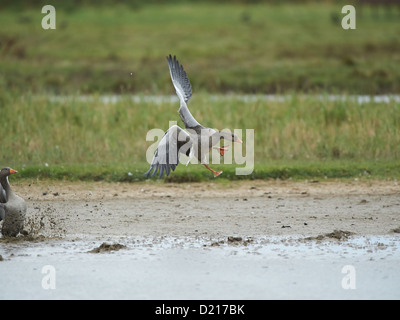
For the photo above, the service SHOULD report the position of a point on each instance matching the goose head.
(230, 136)
(7, 171)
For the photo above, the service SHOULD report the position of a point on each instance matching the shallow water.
(200, 268)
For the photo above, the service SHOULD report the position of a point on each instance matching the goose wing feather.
(166, 156)
(183, 90)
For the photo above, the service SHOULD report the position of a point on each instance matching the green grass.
(225, 47)
(318, 171)
(302, 137)
(267, 47)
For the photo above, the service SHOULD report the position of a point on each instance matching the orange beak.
(238, 140)
(13, 171)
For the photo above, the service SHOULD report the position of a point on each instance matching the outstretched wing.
(3, 197)
(183, 90)
(166, 157)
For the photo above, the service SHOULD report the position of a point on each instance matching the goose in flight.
(12, 207)
(196, 141)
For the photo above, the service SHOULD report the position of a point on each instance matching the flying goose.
(196, 141)
(12, 207)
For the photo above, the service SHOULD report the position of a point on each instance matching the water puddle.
(274, 247)
(200, 268)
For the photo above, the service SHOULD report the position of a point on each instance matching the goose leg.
(216, 173)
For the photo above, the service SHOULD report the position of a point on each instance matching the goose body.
(196, 141)
(12, 207)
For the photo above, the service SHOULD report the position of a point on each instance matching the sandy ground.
(245, 209)
(231, 240)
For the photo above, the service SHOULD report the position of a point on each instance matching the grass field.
(258, 48)
(291, 49)
(303, 136)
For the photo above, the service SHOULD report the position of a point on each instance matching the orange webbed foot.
(217, 173)
(222, 150)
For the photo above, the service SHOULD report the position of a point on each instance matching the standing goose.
(12, 207)
(196, 142)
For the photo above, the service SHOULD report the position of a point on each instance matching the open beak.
(13, 171)
(238, 140)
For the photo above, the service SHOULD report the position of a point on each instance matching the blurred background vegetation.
(297, 49)
(226, 46)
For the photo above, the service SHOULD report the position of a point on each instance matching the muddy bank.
(67, 190)
(214, 210)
